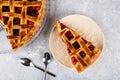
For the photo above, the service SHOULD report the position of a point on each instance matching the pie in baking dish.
(82, 52)
(21, 19)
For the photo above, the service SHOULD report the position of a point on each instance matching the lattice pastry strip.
(21, 19)
(82, 52)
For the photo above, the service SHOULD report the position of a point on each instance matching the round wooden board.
(83, 25)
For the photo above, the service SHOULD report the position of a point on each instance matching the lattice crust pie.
(21, 19)
(82, 52)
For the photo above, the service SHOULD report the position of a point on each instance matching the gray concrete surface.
(105, 12)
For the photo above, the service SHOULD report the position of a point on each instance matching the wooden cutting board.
(83, 25)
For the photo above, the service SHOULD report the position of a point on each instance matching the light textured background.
(105, 12)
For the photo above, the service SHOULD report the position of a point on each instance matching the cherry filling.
(76, 45)
(82, 54)
(74, 60)
(62, 25)
(5, 19)
(16, 21)
(30, 23)
(69, 35)
(69, 51)
(33, 11)
(5, 9)
(16, 32)
(18, 9)
(91, 47)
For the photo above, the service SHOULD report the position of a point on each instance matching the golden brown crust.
(24, 31)
(82, 52)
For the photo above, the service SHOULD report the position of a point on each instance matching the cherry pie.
(21, 19)
(82, 52)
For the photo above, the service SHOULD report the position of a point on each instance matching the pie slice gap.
(21, 19)
(82, 52)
